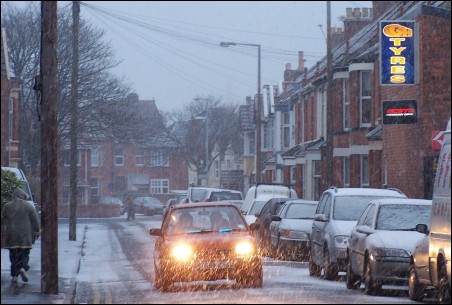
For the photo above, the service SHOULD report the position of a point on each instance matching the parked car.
(381, 243)
(264, 218)
(257, 196)
(148, 206)
(291, 228)
(430, 262)
(190, 247)
(337, 213)
(114, 200)
(237, 203)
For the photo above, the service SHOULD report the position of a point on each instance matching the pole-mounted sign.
(397, 66)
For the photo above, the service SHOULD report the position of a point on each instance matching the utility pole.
(49, 157)
(329, 100)
(74, 111)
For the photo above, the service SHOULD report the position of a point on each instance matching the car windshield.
(402, 217)
(204, 219)
(198, 195)
(257, 207)
(351, 207)
(300, 211)
(149, 200)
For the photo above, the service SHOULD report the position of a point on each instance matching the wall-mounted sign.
(399, 112)
(437, 139)
(396, 52)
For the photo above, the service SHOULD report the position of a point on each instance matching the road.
(117, 267)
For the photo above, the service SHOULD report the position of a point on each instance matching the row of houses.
(367, 150)
(373, 144)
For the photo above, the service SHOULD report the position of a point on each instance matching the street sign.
(437, 139)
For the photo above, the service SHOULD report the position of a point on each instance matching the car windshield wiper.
(231, 230)
(410, 229)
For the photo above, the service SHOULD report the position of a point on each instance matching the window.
(346, 105)
(364, 171)
(252, 147)
(119, 157)
(140, 157)
(316, 178)
(365, 93)
(159, 186)
(293, 174)
(159, 158)
(67, 157)
(346, 171)
(95, 157)
(95, 190)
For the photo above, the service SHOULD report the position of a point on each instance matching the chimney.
(365, 12)
(300, 61)
(288, 67)
(356, 12)
(132, 97)
(349, 12)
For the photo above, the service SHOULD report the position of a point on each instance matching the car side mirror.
(320, 217)
(364, 229)
(276, 218)
(156, 232)
(422, 228)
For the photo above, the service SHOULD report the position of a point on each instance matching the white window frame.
(286, 129)
(119, 156)
(140, 157)
(159, 159)
(96, 157)
(316, 177)
(159, 186)
(95, 189)
(364, 99)
(217, 169)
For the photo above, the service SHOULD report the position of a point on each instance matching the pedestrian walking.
(130, 209)
(21, 225)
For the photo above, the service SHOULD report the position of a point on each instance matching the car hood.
(210, 240)
(395, 239)
(296, 224)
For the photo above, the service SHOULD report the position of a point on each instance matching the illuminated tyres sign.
(397, 52)
(399, 112)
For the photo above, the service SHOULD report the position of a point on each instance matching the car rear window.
(351, 207)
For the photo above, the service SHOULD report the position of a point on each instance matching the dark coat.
(20, 221)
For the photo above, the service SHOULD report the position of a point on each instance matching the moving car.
(205, 241)
(148, 206)
(430, 262)
(337, 213)
(291, 228)
(381, 243)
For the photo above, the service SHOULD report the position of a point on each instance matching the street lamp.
(206, 120)
(259, 103)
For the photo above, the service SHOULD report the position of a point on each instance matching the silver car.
(291, 228)
(336, 215)
(381, 243)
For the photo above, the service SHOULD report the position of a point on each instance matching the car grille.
(213, 254)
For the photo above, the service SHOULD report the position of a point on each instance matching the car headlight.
(244, 248)
(295, 234)
(391, 252)
(341, 241)
(181, 252)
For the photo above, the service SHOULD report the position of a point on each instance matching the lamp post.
(206, 120)
(259, 103)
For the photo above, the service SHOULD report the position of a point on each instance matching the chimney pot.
(356, 12)
(349, 12)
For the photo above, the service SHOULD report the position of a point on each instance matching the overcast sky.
(170, 50)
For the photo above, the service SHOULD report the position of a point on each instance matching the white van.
(430, 261)
(25, 186)
(257, 197)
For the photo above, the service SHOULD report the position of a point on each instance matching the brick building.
(9, 110)
(366, 152)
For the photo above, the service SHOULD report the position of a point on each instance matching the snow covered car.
(381, 243)
(205, 241)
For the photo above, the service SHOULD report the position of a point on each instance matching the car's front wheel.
(415, 289)
(352, 280)
(372, 287)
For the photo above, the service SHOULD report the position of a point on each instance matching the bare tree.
(104, 109)
(223, 131)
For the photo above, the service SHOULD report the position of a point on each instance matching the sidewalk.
(69, 255)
